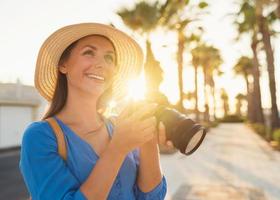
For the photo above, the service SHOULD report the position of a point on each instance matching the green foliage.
(214, 124)
(246, 17)
(259, 128)
(209, 125)
(206, 125)
(170, 11)
(240, 97)
(244, 66)
(276, 135)
(232, 119)
(202, 5)
(206, 56)
(144, 17)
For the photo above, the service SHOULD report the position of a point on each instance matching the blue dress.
(48, 176)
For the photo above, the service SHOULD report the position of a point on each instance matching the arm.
(99, 183)
(150, 174)
(47, 176)
(44, 172)
(151, 184)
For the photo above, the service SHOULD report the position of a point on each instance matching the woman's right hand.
(131, 130)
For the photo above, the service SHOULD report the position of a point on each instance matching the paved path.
(11, 182)
(233, 163)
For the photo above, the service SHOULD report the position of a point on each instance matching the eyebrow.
(95, 48)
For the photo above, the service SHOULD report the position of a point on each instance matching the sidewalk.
(233, 163)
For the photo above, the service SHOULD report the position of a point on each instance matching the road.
(11, 182)
(233, 163)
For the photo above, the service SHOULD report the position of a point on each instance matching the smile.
(94, 76)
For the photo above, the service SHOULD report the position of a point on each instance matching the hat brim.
(129, 57)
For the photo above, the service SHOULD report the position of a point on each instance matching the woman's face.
(90, 66)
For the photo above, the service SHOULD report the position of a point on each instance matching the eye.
(89, 52)
(109, 58)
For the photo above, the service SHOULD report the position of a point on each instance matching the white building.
(19, 106)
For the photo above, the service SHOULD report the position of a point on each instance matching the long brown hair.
(61, 88)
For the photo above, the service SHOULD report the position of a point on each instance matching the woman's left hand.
(161, 137)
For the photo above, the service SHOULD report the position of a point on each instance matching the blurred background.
(216, 61)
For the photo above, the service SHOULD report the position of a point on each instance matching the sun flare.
(137, 89)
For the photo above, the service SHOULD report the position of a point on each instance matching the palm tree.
(211, 65)
(217, 73)
(173, 17)
(263, 25)
(154, 77)
(274, 3)
(209, 59)
(144, 19)
(196, 63)
(244, 67)
(239, 98)
(247, 25)
(190, 96)
(224, 97)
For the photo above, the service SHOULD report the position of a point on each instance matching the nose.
(100, 62)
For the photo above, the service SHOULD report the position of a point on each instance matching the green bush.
(276, 135)
(205, 125)
(214, 124)
(232, 118)
(259, 128)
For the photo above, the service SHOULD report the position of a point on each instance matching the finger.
(151, 127)
(145, 110)
(151, 121)
(149, 132)
(128, 110)
(161, 133)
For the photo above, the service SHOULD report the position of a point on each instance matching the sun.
(137, 89)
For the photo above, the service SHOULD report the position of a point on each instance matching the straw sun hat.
(129, 56)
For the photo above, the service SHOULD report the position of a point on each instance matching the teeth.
(96, 77)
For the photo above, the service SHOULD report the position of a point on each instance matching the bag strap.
(59, 137)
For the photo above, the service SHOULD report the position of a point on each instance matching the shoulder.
(36, 133)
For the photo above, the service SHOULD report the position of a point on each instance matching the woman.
(80, 67)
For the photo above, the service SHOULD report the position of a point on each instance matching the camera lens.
(185, 134)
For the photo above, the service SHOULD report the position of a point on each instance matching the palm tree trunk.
(238, 107)
(225, 103)
(181, 40)
(257, 103)
(278, 9)
(214, 100)
(275, 123)
(250, 113)
(196, 92)
(206, 105)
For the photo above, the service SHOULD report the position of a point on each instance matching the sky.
(26, 24)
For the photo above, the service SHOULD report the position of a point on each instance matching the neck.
(80, 110)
